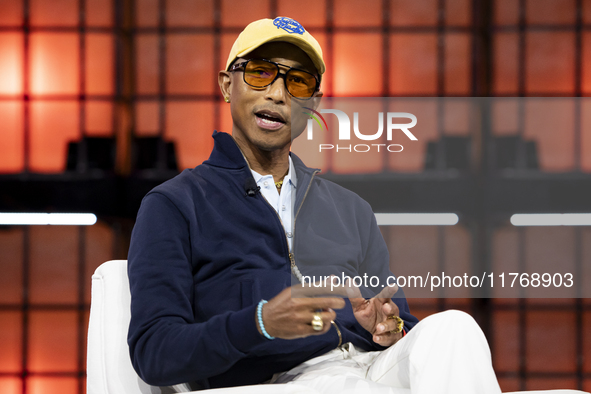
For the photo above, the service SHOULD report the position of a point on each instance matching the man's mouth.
(269, 120)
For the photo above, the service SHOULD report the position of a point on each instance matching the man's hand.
(289, 314)
(373, 315)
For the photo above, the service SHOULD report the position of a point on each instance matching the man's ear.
(299, 117)
(225, 82)
(315, 100)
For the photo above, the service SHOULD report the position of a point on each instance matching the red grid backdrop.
(59, 81)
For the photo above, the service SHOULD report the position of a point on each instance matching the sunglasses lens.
(300, 84)
(259, 73)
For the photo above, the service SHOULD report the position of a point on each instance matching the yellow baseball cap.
(279, 29)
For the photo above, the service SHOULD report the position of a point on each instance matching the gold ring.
(399, 324)
(317, 323)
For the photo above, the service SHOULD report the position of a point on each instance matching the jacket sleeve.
(167, 346)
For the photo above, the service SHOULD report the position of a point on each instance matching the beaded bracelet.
(260, 319)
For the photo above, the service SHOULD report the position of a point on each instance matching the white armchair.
(109, 369)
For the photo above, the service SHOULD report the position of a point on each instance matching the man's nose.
(277, 91)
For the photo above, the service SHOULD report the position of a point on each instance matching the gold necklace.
(279, 184)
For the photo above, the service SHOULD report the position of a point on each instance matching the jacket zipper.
(295, 270)
(295, 217)
(292, 257)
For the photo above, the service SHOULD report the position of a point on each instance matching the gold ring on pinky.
(317, 323)
(399, 324)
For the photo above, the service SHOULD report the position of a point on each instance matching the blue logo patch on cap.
(289, 25)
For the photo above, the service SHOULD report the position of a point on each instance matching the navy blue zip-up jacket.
(203, 254)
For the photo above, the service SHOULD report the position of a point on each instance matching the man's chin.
(272, 146)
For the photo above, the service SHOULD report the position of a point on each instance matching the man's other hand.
(372, 314)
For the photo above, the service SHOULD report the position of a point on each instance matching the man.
(214, 252)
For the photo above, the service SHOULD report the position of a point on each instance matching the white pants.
(444, 353)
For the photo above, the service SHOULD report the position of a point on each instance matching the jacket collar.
(226, 154)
